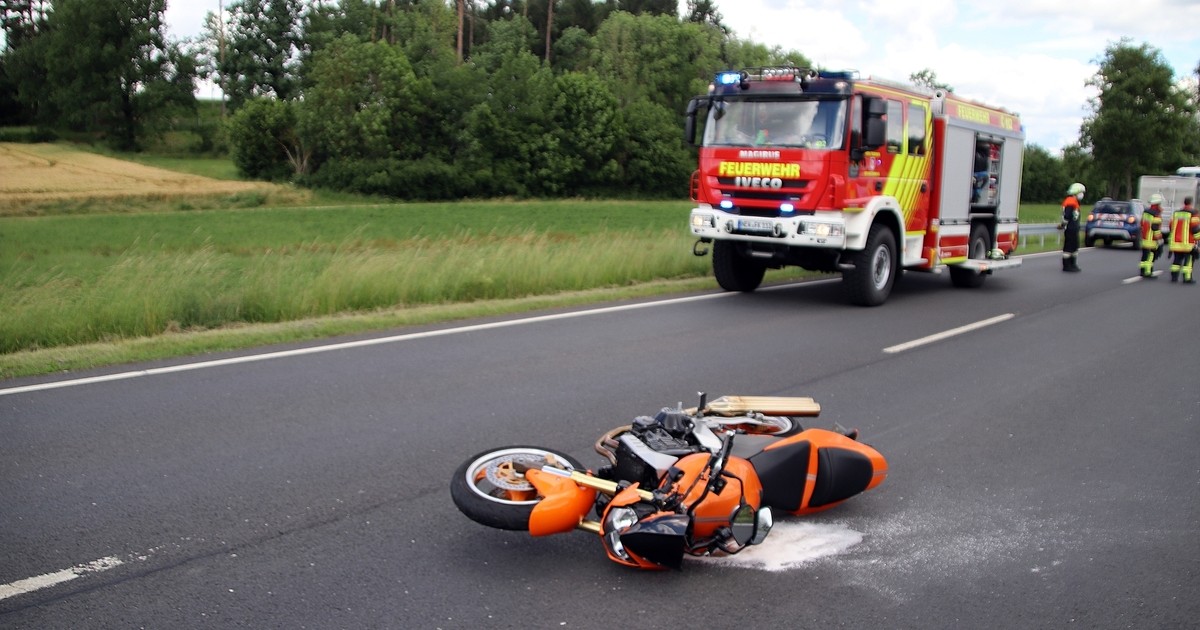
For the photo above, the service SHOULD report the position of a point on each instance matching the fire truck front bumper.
(825, 230)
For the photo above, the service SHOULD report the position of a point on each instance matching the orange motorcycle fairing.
(661, 549)
(563, 506)
(715, 510)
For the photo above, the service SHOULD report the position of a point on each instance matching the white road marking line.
(1138, 278)
(381, 340)
(29, 585)
(353, 344)
(948, 333)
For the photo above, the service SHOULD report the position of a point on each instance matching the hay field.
(36, 174)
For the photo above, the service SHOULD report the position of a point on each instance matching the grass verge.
(91, 281)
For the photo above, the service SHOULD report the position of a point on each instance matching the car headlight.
(824, 230)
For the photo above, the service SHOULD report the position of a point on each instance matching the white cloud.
(1033, 57)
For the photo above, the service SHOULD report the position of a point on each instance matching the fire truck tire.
(870, 282)
(977, 248)
(734, 271)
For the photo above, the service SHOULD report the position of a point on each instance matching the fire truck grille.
(764, 201)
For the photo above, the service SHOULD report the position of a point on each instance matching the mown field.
(106, 261)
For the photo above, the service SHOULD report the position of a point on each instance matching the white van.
(1188, 171)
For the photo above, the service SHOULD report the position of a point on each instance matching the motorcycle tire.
(490, 492)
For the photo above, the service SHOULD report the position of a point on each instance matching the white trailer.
(1173, 189)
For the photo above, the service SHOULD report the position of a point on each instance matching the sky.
(1031, 57)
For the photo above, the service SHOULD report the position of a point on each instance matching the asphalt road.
(1044, 467)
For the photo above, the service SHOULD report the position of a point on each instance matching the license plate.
(756, 225)
(1110, 224)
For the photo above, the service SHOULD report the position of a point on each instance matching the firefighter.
(1152, 236)
(1070, 225)
(981, 174)
(1184, 227)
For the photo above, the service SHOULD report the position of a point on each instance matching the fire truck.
(830, 172)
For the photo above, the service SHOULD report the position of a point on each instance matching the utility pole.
(221, 53)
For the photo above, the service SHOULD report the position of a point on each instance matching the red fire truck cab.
(829, 172)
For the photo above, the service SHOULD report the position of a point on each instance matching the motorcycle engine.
(649, 449)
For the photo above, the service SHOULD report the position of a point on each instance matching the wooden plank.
(768, 405)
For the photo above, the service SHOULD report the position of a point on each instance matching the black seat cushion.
(841, 474)
(783, 472)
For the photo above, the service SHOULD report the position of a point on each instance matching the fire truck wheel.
(870, 281)
(977, 248)
(734, 271)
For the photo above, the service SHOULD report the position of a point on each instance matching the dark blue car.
(1114, 221)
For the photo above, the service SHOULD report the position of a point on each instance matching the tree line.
(436, 99)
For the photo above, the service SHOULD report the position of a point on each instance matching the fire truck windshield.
(810, 124)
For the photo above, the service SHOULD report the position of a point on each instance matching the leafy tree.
(657, 163)
(512, 148)
(740, 53)
(656, 57)
(361, 103)
(583, 14)
(265, 143)
(365, 117)
(573, 50)
(589, 128)
(1141, 122)
(22, 20)
(506, 38)
(1042, 176)
(262, 51)
(705, 12)
(1080, 166)
(22, 61)
(650, 7)
(928, 78)
(324, 23)
(109, 68)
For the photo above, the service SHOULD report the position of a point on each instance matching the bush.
(259, 134)
(428, 179)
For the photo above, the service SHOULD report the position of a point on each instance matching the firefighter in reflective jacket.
(1184, 226)
(1070, 227)
(1151, 234)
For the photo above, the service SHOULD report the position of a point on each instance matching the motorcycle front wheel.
(778, 426)
(491, 490)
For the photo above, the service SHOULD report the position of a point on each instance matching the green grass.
(1040, 212)
(74, 280)
(216, 168)
(101, 282)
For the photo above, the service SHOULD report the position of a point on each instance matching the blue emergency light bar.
(729, 78)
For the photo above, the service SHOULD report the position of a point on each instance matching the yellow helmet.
(1156, 199)
(1076, 189)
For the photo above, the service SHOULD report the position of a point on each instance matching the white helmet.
(1156, 199)
(1076, 189)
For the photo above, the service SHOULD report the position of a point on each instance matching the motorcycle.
(700, 481)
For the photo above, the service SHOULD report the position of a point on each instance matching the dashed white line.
(1138, 278)
(909, 345)
(28, 585)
